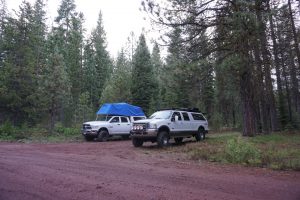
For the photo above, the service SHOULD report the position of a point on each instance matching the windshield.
(161, 115)
(103, 118)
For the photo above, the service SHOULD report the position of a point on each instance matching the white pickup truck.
(106, 126)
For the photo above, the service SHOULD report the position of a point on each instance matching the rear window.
(124, 119)
(185, 116)
(198, 116)
(138, 118)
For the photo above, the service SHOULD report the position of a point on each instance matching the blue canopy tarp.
(120, 109)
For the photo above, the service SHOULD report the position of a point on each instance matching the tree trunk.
(265, 125)
(296, 43)
(249, 126)
(288, 96)
(267, 68)
(277, 65)
(294, 82)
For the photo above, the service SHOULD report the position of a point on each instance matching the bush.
(61, 130)
(7, 129)
(10, 132)
(239, 151)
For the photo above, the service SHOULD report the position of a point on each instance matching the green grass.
(277, 151)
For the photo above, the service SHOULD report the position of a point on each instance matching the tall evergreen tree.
(118, 86)
(156, 100)
(69, 35)
(103, 63)
(142, 76)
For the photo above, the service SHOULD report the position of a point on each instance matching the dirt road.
(116, 170)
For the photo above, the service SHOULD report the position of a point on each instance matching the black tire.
(163, 139)
(103, 136)
(88, 138)
(178, 140)
(200, 135)
(137, 142)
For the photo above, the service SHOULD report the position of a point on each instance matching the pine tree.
(156, 60)
(103, 63)
(118, 86)
(69, 36)
(19, 78)
(56, 85)
(142, 76)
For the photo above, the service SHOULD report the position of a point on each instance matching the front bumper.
(148, 133)
(89, 132)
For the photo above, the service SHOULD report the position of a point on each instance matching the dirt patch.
(117, 170)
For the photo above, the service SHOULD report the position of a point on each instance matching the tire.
(163, 139)
(88, 138)
(178, 140)
(137, 142)
(200, 135)
(103, 136)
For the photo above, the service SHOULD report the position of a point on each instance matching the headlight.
(152, 126)
(94, 127)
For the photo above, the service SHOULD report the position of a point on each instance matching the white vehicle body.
(177, 124)
(110, 126)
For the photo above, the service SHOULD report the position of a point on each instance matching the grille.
(86, 126)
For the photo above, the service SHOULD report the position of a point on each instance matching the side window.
(185, 116)
(115, 120)
(124, 120)
(176, 114)
(198, 116)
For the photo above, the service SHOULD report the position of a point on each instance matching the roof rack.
(183, 109)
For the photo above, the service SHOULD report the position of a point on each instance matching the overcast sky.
(120, 17)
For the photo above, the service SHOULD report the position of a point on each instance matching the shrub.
(239, 151)
(60, 129)
(10, 132)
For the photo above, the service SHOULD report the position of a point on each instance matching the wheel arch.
(201, 128)
(103, 129)
(164, 128)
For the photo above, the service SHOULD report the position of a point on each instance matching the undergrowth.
(10, 133)
(277, 151)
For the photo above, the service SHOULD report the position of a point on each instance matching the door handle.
(118, 124)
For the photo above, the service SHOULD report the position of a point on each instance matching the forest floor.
(117, 170)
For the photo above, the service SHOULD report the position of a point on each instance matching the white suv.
(106, 126)
(171, 123)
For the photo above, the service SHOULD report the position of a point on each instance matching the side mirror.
(176, 118)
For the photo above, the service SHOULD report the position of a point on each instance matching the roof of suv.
(184, 109)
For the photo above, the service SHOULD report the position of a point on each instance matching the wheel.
(88, 138)
(103, 136)
(178, 140)
(137, 142)
(200, 135)
(163, 139)
(125, 137)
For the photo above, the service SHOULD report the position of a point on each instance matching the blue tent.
(120, 109)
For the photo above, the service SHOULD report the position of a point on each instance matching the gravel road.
(117, 170)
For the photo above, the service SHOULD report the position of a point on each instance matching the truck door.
(186, 123)
(115, 125)
(176, 126)
(125, 125)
